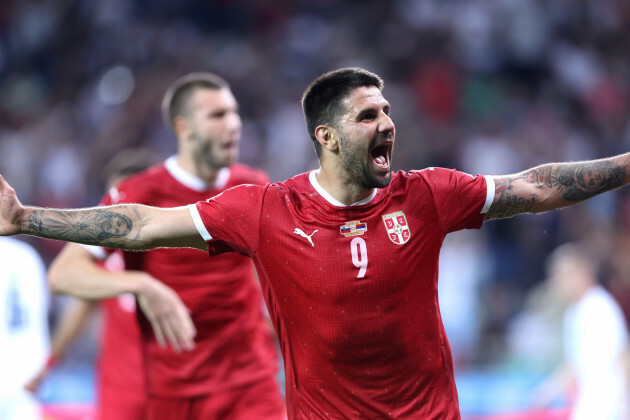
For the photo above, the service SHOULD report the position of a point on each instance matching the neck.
(340, 189)
(189, 164)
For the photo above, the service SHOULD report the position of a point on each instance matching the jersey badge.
(397, 227)
(353, 228)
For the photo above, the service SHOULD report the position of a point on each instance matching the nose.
(234, 122)
(385, 123)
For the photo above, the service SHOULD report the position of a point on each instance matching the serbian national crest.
(397, 227)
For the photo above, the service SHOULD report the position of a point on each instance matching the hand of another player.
(33, 385)
(169, 317)
(10, 209)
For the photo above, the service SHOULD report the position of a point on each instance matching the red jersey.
(234, 345)
(352, 290)
(121, 385)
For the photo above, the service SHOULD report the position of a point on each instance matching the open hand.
(169, 317)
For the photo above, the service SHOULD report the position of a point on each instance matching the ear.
(328, 137)
(181, 127)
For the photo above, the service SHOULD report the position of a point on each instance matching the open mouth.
(380, 154)
(229, 145)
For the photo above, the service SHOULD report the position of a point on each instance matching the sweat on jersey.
(352, 290)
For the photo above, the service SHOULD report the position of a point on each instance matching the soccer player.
(347, 254)
(232, 371)
(120, 387)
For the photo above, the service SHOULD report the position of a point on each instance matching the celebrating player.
(120, 385)
(231, 371)
(347, 255)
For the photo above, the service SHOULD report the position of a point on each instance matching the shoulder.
(435, 172)
(245, 174)
(299, 184)
(403, 179)
(600, 299)
(443, 177)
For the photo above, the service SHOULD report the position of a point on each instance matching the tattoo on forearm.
(572, 182)
(97, 227)
(579, 182)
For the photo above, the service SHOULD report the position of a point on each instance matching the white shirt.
(595, 338)
(24, 335)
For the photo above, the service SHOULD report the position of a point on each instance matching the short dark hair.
(177, 96)
(322, 100)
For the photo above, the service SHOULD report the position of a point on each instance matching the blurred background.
(484, 86)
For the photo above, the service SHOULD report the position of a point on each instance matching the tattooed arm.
(127, 226)
(557, 185)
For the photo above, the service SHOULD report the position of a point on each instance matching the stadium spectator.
(595, 338)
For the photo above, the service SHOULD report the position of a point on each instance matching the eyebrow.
(372, 109)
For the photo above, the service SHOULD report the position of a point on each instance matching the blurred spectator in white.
(595, 341)
(24, 339)
(463, 266)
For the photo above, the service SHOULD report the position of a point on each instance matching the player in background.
(347, 254)
(596, 346)
(24, 339)
(231, 373)
(120, 383)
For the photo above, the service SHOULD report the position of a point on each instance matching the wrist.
(51, 361)
(140, 282)
(22, 220)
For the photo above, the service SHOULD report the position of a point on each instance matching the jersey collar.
(191, 181)
(332, 200)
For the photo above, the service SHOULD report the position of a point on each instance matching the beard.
(209, 155)
(356, 166)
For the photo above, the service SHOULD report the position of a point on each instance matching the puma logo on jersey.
(299, 231)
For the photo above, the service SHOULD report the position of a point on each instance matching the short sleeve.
(461, 200)
(229, 222)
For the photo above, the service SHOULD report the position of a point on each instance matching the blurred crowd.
(484, 86)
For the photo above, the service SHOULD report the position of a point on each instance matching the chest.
(341, 253)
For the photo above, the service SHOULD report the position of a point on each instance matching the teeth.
(381, 161)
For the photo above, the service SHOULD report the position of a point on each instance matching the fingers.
(175, 330)
(4, 185)
(186, 328)
(33, 385)
(158, 332)
(169, 327)
(169, 317)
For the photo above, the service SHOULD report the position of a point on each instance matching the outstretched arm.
(557, 185)
(128, 226)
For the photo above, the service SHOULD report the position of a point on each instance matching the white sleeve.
(489, 194)
(199, 223)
